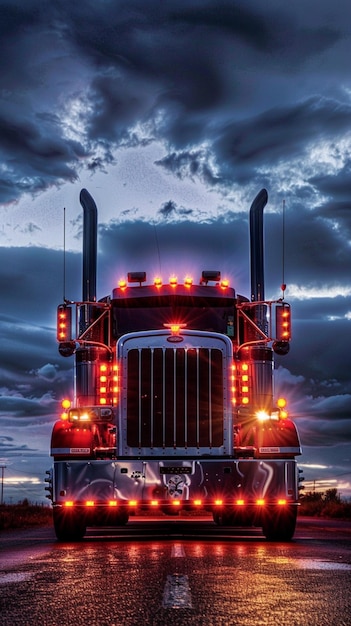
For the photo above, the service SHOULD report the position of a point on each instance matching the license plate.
(175, 470)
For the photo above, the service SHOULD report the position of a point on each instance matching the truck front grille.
(175, 397)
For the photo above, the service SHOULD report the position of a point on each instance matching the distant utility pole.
(3, 467)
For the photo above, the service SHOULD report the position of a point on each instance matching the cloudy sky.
(174, 114)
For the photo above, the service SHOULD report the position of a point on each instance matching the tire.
(223, 518)
(68, 526)
(280, 524)
(122, 518)
(216, 518)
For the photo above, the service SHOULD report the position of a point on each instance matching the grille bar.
(175, 397)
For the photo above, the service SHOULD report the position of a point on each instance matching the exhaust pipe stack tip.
(260, 200)
(256, 245)
(89, 246)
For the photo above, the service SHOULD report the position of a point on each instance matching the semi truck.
(173, 408)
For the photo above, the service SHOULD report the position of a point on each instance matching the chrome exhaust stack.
(89, 246)
(256, 246)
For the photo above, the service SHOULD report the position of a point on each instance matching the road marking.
(320, 564)
(15, 577)
(177, 550)
(177, 594)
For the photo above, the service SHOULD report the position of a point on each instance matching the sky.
(174, 115)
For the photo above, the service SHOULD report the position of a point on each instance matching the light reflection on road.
(175, 580)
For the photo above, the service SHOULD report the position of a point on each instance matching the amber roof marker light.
(175, 329)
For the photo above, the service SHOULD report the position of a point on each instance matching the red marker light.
(283, 322)
(64, 323)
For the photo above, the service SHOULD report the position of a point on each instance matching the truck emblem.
(175, 338)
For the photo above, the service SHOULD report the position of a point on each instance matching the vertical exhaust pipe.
(88, 355)
(89, 246)
(89, 268)
(261, 354)
(256, 246)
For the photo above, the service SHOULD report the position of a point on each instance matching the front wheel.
(223, 518)
(68, 526)
(280, 524)
(122, 518)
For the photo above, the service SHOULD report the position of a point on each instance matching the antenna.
(64, 254)
(2, 467)
(283, 286)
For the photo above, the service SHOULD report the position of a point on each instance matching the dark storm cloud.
(33, 377)
(262, 28)
(338, 185)
(323, 432)
(238, 21)
(316, 251)
(337, 209)
(188, 165)
(8, 447)
(280, 133)
(80, 78)
(170, 209)
(21, 407)
(31, 298)
(183, 248)
(322, 353)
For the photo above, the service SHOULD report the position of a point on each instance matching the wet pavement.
(177, 578)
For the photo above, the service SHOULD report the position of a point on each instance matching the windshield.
(151, 313)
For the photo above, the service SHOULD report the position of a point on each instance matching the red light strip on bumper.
(195, 503)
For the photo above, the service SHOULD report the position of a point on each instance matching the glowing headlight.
(262, 416)
(84, 417)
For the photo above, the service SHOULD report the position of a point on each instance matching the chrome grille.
(175, 397)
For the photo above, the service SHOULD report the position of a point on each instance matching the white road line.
(177, 594)
(177, 550)
(15, 577)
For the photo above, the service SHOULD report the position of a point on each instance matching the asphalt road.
(186, 572)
